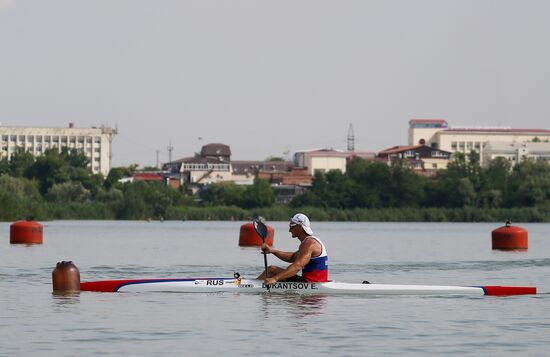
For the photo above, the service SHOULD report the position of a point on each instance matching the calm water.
(35, 322)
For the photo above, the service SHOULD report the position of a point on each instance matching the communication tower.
(170, 149)
(351, 138)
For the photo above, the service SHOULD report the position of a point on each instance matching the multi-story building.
(212, 165)
(436, 133)
(516, 152)
(421, 158)
(94, 142)
(325, 160)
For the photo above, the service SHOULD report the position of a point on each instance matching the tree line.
(464, 183)
(60, 185)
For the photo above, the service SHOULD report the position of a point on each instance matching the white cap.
(301, 219)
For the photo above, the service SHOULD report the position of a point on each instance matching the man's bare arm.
(284, 256)
(301, 259)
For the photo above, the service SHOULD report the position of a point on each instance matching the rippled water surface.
(35, 322)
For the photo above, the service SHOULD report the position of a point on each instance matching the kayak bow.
(237, 285)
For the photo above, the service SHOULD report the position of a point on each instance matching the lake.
(34, 322)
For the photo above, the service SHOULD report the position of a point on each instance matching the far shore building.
(421, 158)
(94, 142)
(438, 134)
(213, 165)
(324, 160)
(516, 152)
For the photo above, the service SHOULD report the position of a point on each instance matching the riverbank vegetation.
(60, 186)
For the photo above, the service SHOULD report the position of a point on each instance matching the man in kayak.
(311, 256)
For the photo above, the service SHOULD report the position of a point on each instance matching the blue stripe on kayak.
(479, 287)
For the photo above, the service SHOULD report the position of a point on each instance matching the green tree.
(19, 198)
(259, 194)
(20, 162)
(115, 174)
(71, 191)
(407, 188)
(147, 199)
(529, 183)
(54, 167)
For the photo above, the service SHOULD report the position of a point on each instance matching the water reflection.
(64, 298)
(297, 305)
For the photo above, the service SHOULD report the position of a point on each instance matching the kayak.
(240, 285)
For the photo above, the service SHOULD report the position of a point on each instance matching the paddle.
(261, 229)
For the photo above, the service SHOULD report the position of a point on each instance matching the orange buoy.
(66, 278)
(509, 237)
(26, 232)
(248, 237)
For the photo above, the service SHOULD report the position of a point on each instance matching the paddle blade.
(260, 227)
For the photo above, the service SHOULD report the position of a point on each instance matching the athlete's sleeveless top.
(317, 269)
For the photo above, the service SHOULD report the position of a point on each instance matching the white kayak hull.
(219, 285)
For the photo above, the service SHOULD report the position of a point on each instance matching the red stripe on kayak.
(105, 286)
(509, 290)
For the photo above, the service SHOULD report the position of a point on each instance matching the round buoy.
(248, 236)
(509, 237)
(66, 278)
(26, 232)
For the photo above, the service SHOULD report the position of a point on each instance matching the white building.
(436, 133)
(94, 142)
(325, 160)
(516, 152)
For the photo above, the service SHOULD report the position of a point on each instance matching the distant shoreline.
(90, 211)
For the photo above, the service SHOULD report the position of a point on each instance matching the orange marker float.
(248, 236)
(509, 237)
(26, 232)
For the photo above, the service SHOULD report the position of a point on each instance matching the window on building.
(477, 145)
(461, 145)
(96, 150)
(21, 137)
(439, 154)
(72, 139)
(97, 139)
(4, 138)
(64, 139)
(453, 145)
(89, 139)
(434, 166)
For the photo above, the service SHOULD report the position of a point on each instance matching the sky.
(269, 78)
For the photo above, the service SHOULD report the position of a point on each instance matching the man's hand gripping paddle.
(261, 229)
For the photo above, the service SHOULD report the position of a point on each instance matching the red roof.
(500, 130)
(428, 121)
(397, 149)
(145, 176)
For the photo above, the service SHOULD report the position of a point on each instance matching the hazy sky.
(271, 77)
